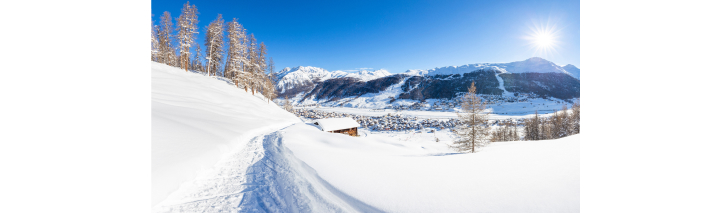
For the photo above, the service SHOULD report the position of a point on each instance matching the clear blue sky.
(396, 35)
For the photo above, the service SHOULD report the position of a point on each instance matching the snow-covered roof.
(332, 124)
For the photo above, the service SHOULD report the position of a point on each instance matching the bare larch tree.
(186, 30)
(236, 50)
(474, 129)
(165, 36)
(154, 43)
(214, 45)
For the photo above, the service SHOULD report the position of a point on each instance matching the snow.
(515, 110)
(216, 148)
(332, 124)
(502, 85)
(363, 75)
(196, 119)
(262, 176)
(291, 77)
(573, 70)
(535, 65)
(413, 173)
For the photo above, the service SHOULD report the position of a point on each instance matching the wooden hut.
(338, 125)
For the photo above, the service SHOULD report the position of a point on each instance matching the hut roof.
(332, 124)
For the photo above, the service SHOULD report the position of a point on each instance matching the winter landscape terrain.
(511, 88)
(217, 148)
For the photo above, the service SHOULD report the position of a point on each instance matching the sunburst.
(544, 39)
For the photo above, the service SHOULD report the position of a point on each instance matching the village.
(530, 100)
(396, 122)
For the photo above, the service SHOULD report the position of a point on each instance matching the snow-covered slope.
(289, 78)
(216, 148)
(573, 70)
(196, 120)
(535, 64)
(413, 173)
(363, 75)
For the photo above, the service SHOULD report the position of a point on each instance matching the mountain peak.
(573, 70)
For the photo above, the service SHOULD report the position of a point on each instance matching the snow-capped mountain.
(573, 70)
(534, 65)
(290, 78)
(534, 75)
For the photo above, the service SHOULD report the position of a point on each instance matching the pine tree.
(214, 45)
(186, 28)
(475, 129)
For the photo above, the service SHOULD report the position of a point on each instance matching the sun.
(543, 38)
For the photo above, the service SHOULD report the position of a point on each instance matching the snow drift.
(413, 173)
(197, 119)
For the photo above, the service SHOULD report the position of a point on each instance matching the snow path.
(263, 176)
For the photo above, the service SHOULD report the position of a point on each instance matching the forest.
(229, 51)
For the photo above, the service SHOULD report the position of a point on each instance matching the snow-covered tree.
(252, 67)
(214, 45)
(474, 129)
(197, 62)
(154, 43)
(270, 79)
(167, 52)
(236, 52)
(271, 70)
(186, 28)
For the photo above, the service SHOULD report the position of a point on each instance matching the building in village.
(338, 125)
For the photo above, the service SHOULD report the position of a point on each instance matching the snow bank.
(196, 120)
(409, 174)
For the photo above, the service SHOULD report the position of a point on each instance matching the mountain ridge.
(533, 75)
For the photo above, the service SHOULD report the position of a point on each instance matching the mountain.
(573, 70)
(534, 75)
(534, 65)
(292, 80)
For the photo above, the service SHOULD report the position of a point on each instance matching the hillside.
(196, 120)
(413, 173)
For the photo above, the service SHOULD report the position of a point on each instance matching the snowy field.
(216, 148)
(413, 173)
